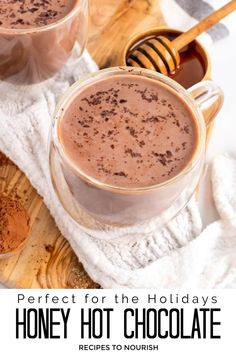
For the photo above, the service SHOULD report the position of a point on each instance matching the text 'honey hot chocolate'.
(129, 132)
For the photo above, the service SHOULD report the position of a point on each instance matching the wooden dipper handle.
(203, 25)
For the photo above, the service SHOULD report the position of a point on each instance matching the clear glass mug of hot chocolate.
(127, 148)
(38, 37)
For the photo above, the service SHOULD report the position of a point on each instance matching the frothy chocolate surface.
(129, 131)
(20, 14)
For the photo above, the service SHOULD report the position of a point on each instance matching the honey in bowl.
(192, 68)
(194, 60)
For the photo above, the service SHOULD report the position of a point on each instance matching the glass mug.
(32, 55)
(107, 211)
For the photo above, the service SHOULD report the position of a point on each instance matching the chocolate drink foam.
(129, 132)
(37, 38)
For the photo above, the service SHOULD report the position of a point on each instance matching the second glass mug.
(32, 55)
(108, 212)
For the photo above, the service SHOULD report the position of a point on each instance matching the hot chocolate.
(129, 132)
(18, 14)
(127, 147)
(37, 37)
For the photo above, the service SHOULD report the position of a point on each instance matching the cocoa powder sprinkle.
(14, 224)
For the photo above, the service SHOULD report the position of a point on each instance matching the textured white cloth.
(164, 258)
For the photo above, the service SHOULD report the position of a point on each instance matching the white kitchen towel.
(164, 258)
(208, 261)
(183, 14)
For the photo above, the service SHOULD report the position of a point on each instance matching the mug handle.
(209, 97)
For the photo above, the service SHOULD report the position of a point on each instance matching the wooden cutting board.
(47, 261)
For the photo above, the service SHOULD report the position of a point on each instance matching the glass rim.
(30, 30)
(89, 78)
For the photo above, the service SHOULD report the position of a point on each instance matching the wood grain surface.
(47, 260)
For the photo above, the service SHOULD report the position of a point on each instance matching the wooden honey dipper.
(161, 54)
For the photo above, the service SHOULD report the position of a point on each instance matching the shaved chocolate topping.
(129, 131)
